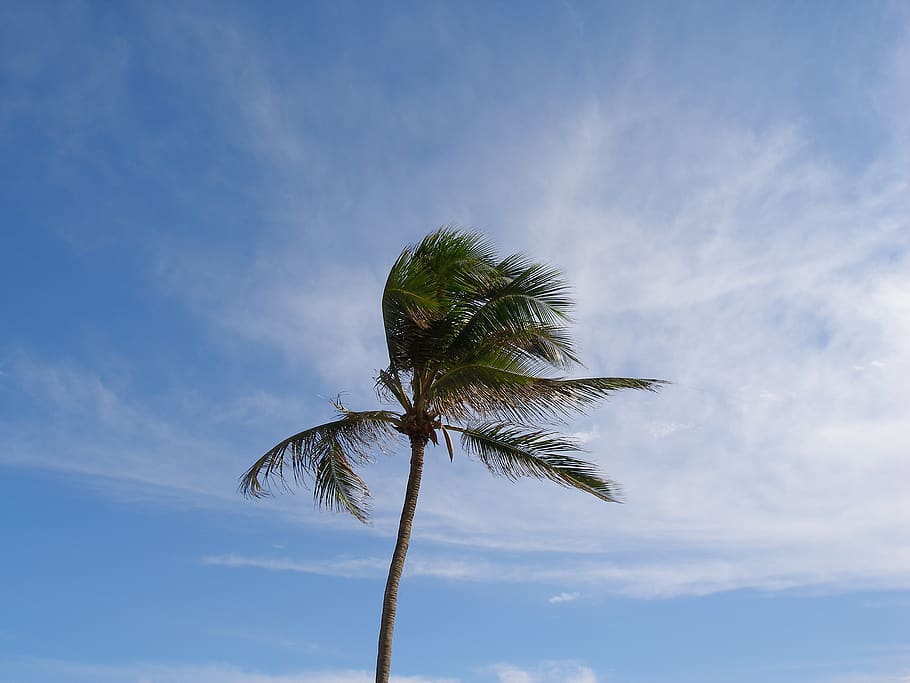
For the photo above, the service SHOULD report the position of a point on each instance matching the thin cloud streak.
(547, 672)
(75, 672)
(33, 669)
(621, 576)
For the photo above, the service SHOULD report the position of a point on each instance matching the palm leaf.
(528, 303)
(516, 452)
(543, 346)
(487, 390)
(455, 258)
(337, 486)
(426, 284)
(324, 454)
(409, 304)
(389, 386)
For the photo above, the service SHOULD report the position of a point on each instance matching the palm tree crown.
(474, 342)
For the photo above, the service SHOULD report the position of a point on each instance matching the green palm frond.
(516, 452)
(389, 387)
(482, 390)
(455, 257)
(423, 285)
(526, 303)
(325, 454)
(537, 281)
(337, 486)
(541, 347)
(409, 305)
(524, 323)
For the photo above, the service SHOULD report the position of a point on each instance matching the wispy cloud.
(599, 574)
(560, 598)
(860, 677)
(347, 568)
(34, 669)
(548, 672)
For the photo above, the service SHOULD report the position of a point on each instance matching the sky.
(200, 203)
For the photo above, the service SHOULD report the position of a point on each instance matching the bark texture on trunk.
(390, 599)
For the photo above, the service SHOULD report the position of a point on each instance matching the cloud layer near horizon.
(72, 672)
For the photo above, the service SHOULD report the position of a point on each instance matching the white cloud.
(601, 574)
(548, 672)
(347, 568)
(74, 672)
(560, 598)
(35, 669)
(867, 678)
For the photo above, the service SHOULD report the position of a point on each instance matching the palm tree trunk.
(390, 599)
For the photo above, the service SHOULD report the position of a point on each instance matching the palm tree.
(470, 339)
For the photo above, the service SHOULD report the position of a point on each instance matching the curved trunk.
(390, 599)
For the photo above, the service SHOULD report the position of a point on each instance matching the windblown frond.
(389, 387)
(337, 486)
(479, 390)
(454, 257)
(541, 347)
(524, 325)
(524, 304)
(324, 454)
(516, 452)
(425, 283)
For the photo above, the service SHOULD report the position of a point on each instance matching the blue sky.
(199, 207)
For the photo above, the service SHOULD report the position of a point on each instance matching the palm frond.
(324, 454)
(494, 390)
(389, 386)
(409, 304)
(425, 282)
(516, 452)
(526, 323)
(337, 486)
(527, 306)
(451, 254)
(535, 347)
(538, 281)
